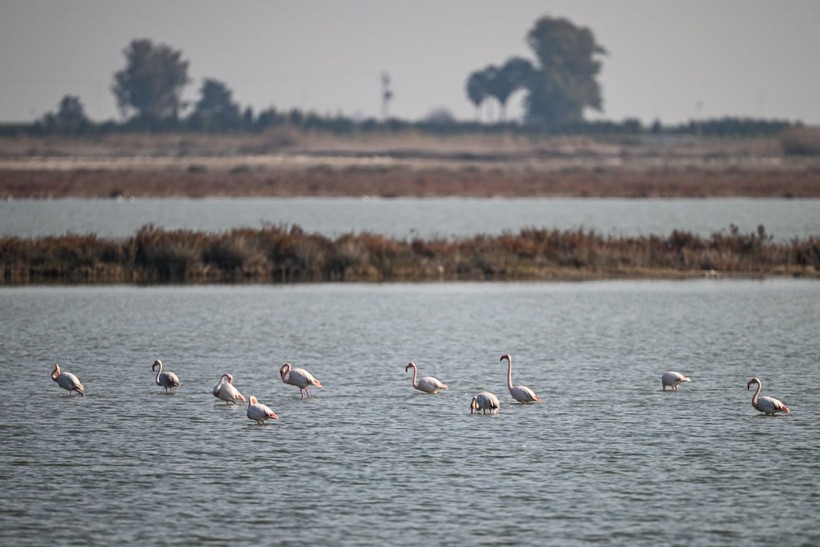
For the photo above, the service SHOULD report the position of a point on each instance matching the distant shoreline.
(180, 166)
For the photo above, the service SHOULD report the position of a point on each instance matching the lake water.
(607, 458)
(410, 217)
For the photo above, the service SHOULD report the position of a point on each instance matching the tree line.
(559, 86)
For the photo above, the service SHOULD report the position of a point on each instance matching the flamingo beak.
(275, 417)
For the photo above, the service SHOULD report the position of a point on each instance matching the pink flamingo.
(769, 405)
(428, 384)
(484, 401)
(672, 379)
(226, 391)
(259, 412)
(68, 381)
(299, 377)
(168, 379)
(522, 394)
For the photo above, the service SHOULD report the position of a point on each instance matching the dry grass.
(801, 141)
(276, 254)
(289, 163)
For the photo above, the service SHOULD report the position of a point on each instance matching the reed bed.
(287, 254)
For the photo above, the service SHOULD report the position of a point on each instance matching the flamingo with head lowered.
(672, 379)
(259, 412)
(300, 378)
(68, 381)
(768, 405)
(167, 379)
(428, 384)
(484, 401)
(226, 391)
(522, 394)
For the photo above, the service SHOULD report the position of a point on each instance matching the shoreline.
(394, 166)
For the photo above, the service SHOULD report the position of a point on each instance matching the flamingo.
(259, 412)
(484, 401)
(168, 380)
(428, 384)
(299, 377)
(68, 381)
(226, 391)
(522, 394)
(769, 405)
(672, 379)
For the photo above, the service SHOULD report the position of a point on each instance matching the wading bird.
(68, 381)
(226, 391)
(428, 384)
(300, 378)
(672, 379)
(259, 412)
(484, 401)
(522, 394)
(768, 405)
(168, 380)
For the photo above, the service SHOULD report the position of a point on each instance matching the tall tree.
(477, 90)
(152, 81)
(215, 108)
(515, 74)
(564, 83)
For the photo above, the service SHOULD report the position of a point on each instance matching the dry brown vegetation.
(278, 254)
(286, 163)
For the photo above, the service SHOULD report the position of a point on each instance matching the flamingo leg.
(307, 390)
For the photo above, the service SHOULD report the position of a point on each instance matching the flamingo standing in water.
(300, 378)
(168, 379)
(522, 394)
(428, 384)
(68, 381)
(484, 401)
(768, 405)
(672, 379)
(226, 391)
(259, 412)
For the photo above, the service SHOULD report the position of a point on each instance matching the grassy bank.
(281, 254)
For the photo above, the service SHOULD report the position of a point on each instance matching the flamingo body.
(226, 391)
(672, 379)
(484, 401)
(768, 405)
(522, 394)
(166, 379)
(428, 384)
(258, 412)
(300, 378)
(67, 381)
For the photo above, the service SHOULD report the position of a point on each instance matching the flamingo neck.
(415, 384)
(509, 374)
(757, 393)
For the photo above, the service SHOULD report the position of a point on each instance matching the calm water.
(608, 457)
(408, 217)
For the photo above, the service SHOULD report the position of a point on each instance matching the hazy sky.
(668, 60)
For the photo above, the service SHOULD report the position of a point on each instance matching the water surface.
(410, 217)
(608, 457)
